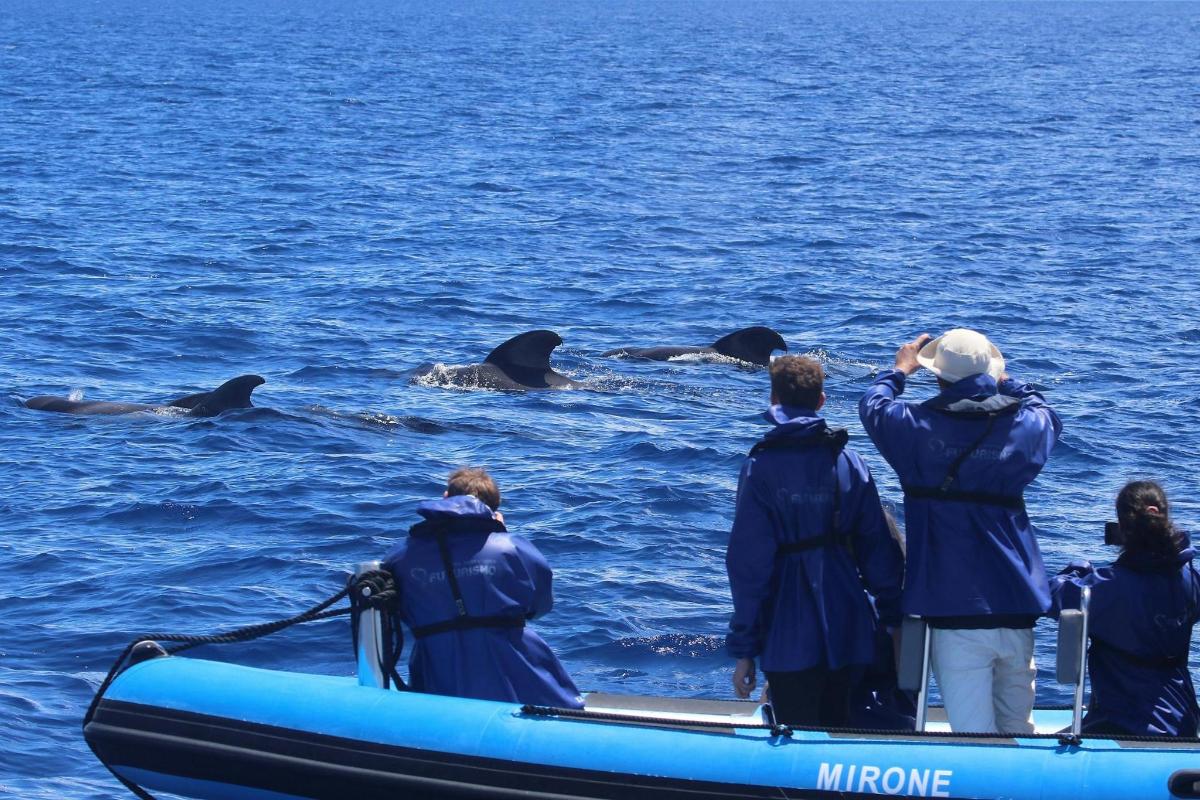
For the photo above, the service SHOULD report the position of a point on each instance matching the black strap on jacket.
(460, 607)
(946, 490)
(835, 440)
(462, 621)
(468, 623)
(828, 540)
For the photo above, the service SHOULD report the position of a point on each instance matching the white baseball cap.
(959, 354)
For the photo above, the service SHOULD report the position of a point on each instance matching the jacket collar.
(459, 514)
(794, 421)
(975, 394)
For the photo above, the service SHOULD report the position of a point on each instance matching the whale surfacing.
(519, 364)
(232, 394)
(753, 345)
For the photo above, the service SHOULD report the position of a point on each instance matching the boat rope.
(370, 589)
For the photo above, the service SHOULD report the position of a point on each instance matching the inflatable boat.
(207, 729)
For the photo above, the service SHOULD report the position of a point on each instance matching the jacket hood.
(459, 514)
(796, 421)
(976, 394)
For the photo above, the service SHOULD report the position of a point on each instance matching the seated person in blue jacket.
(973, 568)
(1142, 610)
(466, 588)
(809, 534)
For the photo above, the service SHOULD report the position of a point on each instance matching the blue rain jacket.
(970, 564)
(1141, 614)
(809, 609)
(499, 574)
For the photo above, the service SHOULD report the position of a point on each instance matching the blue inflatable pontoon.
(208, 729)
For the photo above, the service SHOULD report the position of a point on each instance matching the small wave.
(616, 383)
(407, 422)
(708, 358)
(288, 187)
(469, 377)
(655, 105)
(255, 413)
(636, 650)
(793, 161)
(298, 226)
(442, 376)
(488, 186)
(338, 370)
(673, 230)
(219, 288)
(385, 421)
(653, 450)
(170, 412)
(11, 249)
(167, 510)
(78, 270)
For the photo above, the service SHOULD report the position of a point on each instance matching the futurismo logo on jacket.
(815, 497)
(938, 447)
(471, 568)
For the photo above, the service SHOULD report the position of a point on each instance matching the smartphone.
(1113, 535)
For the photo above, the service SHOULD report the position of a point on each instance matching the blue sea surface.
(331, 194)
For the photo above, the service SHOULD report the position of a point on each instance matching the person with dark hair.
(1141, 614)
(809, 535)
(973, 568)
(466, 588)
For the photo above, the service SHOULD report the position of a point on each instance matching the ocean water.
(331, 194)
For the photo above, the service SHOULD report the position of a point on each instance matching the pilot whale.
(754, 345)
(523, 362)
(231, 394)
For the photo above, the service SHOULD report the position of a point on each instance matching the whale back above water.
(232, 394)
(522, 362)
(753, 345)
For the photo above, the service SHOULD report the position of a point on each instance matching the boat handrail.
(1071, 665)
(913, 664)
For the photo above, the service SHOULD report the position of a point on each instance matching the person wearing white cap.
(974, 570)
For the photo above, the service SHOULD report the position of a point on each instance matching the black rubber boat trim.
(323, 767)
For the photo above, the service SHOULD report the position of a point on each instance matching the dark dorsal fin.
(751, 344)
(230, 394)
(526, 351)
